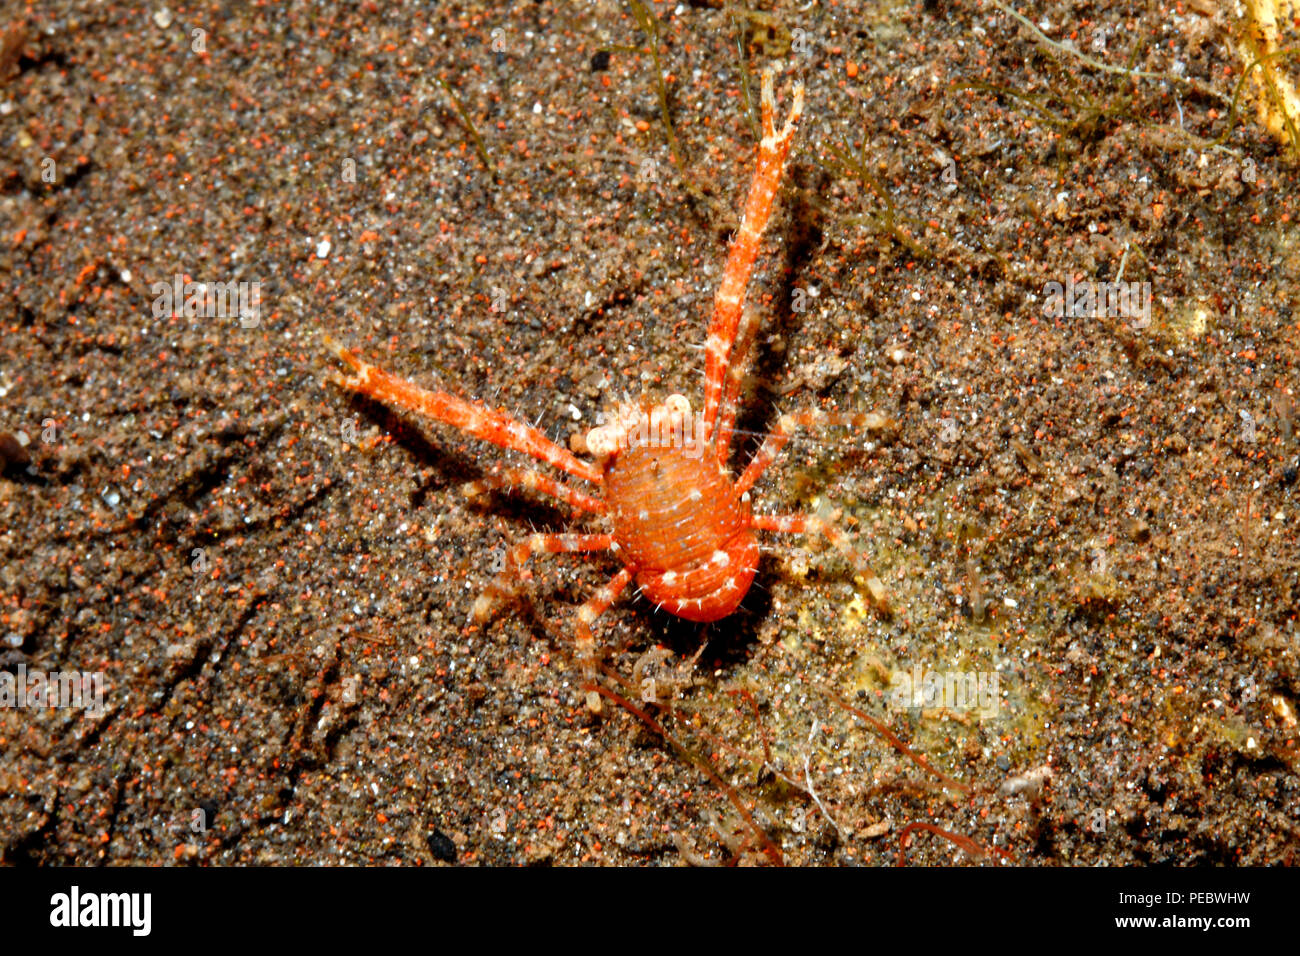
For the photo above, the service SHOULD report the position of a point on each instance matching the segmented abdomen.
(678, 523)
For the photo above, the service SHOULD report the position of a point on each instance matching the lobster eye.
(679, 404)
(605, 440)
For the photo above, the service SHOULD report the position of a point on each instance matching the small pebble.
(12, 450)
(441, 846)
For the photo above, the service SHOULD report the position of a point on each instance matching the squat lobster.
(682, 527)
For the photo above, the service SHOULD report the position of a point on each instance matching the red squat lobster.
(683, 529)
